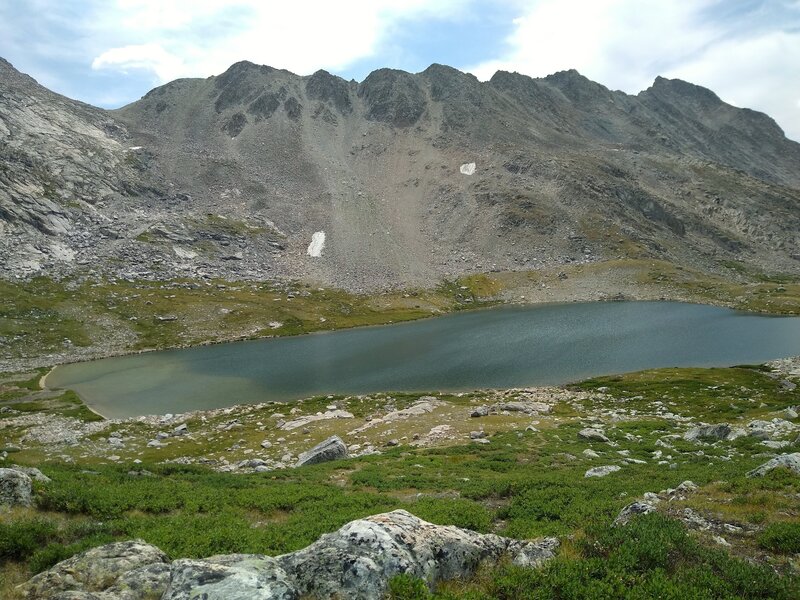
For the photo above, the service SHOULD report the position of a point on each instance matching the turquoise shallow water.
(498, 347)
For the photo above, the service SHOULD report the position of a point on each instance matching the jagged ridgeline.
(231, 175)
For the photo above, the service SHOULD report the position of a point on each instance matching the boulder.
(721, 431)
(231, 577)
(15, 488)
(96, 570)
(331, 449)
(32, 472)
(592, 435)
(633, 509)
(145, 583)
(789, 461)
(357, 561)
(601, 471)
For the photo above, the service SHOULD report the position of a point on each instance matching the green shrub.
(781, 537)
(407, 587)
(20, 540)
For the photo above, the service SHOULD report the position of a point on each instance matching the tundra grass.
(522, 484)
(42, 316)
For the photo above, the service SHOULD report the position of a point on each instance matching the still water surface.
(498, 347)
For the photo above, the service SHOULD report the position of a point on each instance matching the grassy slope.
(42, 317)
(524, 484)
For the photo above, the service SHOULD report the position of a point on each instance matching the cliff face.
(231, 176)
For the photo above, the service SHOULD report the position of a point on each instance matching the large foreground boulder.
(355, 562)
(99, 569)
(15, 488)
(331, 449)
(788, 461)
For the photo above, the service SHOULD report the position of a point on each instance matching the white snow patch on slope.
(317, 244)
(468, 168)
(184, 253)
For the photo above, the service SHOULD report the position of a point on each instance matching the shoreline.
(491, 305)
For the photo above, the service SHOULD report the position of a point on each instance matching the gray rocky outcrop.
(15, 488)
(98, 570)
(789, 461)
(231, 577)
(331, 449)
(32, 472)
(355, 562)
(720, 431)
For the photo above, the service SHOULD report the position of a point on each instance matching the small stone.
(592, 435)
(476, 435)
(601, 471)
(266, 444)
(481, 411)
(635, 508)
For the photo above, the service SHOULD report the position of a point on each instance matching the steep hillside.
(231, 175)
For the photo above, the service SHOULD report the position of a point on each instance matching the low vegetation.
(526, 482)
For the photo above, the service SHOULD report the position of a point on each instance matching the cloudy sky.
(110, 52)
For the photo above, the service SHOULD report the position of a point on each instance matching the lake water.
(498, 347)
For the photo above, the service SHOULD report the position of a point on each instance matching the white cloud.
(753, 73)
(624, 44)
(150, 57)
(299, 36)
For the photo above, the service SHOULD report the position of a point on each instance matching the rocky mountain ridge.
(230, 177)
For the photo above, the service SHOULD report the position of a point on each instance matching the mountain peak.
(663, 86)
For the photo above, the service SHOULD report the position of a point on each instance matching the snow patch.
(135, 147)
(468, 168)
(61, 252)
(317, 244)
(184, 253)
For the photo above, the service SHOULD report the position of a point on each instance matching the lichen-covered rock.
(95, 570)
(145, 583)
(357, 561)
(331, 449)
(32, 472)
(721, 431)
(789, 461)
(601, 471)
(231, 577)
(15, 488)
(633, 509)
